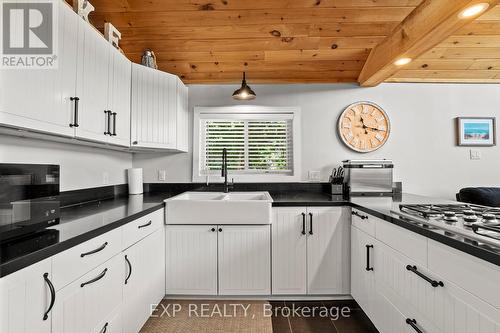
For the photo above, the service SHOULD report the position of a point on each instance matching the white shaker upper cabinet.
(182, 116)
(119, 99)
(39, 99)
(159, 110)
(92, 84)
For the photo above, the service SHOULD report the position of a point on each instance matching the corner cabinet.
(394, 281)
(159, 110)
(310, 251)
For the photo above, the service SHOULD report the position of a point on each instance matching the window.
(260, 143)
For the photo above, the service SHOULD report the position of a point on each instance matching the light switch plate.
(162, 175)
(475, 154)
(314, 175)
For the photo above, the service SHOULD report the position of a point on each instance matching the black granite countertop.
(79, 223)
(382, 208)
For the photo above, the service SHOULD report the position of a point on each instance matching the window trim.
(248, 109)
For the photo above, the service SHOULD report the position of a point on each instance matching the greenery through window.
(253, 145)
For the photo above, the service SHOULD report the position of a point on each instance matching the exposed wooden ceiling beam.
(427, 25)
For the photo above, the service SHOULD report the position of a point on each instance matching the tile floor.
(356, 322)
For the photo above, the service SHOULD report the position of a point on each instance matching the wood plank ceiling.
(470, 55)
(289, 41)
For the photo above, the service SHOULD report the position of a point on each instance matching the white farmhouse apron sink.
(219, 208)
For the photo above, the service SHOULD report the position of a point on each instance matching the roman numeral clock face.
(364, 127)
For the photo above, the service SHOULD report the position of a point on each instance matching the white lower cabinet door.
(143, 280)
(133, 279)
(362, 269)
(84, 304)
(244, 253)
(191, 260)
(328, 250)
(289, 270)
(154, 265)
(25, 300)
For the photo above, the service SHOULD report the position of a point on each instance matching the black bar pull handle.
(97, 278)
(145, 225)
(368, 247)
(114, 124)
(303, 223)
(52, 295)
(107, 115)
(413, 324)
(99, 249)
(129, 269)
(359, 215)
(75, 115)
(310, 223)
(105, 328)
(432, 282)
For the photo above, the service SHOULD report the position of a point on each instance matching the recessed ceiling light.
(402, 61)
(474, 10)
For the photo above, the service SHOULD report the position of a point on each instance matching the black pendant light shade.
(245, 92)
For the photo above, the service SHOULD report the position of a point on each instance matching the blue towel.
(486, 196)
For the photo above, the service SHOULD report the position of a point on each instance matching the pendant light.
(245, 92)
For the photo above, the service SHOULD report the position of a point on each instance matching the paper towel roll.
(134, 181)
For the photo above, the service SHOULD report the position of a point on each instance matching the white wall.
(422, 143)
(81, 167)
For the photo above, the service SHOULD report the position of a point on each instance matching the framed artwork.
(476, 131)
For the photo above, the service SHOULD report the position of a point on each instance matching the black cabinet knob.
(220, 229)
(213, 229)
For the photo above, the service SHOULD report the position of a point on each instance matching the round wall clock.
(364, 127)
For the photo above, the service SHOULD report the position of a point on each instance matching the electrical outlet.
(105, 178)
(162, 175)
(314, 176)
(475, 154)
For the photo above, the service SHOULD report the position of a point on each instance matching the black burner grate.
(430, 210)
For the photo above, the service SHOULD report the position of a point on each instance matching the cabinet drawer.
(73, 263)
(404, 241)
(140, 228)
(113, 323)
(476, 276)
(363, 221)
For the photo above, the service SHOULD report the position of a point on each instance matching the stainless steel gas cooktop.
(477, 223)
